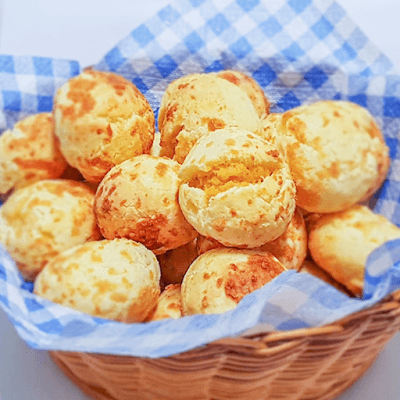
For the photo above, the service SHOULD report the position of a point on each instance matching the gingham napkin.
(299, 51)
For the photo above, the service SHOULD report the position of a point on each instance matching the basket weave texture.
(303, 364)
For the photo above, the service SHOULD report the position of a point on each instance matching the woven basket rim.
(389, 306)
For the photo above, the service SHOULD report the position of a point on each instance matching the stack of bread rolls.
(111, 219)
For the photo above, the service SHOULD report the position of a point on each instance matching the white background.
(85, 30)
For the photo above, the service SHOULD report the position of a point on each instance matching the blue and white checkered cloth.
(299, 51)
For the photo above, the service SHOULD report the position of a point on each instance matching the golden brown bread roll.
(41, 220)
(336, 154)
(218, 279)
(137, 199)
(116, 279)
(341, 242)
(169, 304)
(198, 104)
(237, 189)
(29, 153)
(101, 119)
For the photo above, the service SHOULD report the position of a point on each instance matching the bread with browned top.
(101, 119)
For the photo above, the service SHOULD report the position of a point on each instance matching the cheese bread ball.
(41, 220)
(101, 119)
(341, 242)
(218, 279)
(138, 200)
(29, 153)
(174, 263)
(250, 87)
(115, 279)
(237, 189)
(290, 248)
(198, 104)
(336, 153)
(169, 304)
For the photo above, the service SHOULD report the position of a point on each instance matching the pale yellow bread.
(250, 87)
(138, 199)
(341, 242)
(169, 304)
(29, 153)
(174, 263)
(41, 220)
(101, 119)
(115, 279)
(336, 153)
(218, 279)
(290, 248)
(198, 104)
(237, 189)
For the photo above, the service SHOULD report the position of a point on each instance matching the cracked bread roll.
(101, 119)
(138, 200)
(340, 243)
(169, 304)
(174, 263)
(336, 153)
(29, 153)
(115, 279)
(218, 279)
(198, 104)
(250, 87)
(41, 220)
(290, 248)
(237, 189)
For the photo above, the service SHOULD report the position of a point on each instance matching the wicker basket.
(304, 364)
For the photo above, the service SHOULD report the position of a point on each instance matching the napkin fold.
(299, 51)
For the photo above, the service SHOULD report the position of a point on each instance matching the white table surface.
(84, 30)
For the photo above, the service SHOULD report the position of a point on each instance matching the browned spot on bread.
(106, 205)
(229, 76)
(373, 130)
(204, 302)
(147, 231)
(126, 255)
(100, 162)
(213, 123)
(79, 94)
(230, 142)
(219, 224)
(115, 174)
(273, 153)
(244, 279)
(54, 166)
(119, 297)
(182, 86)
(96, 257)
(161, 169)
(118, 83)
(109, 131)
